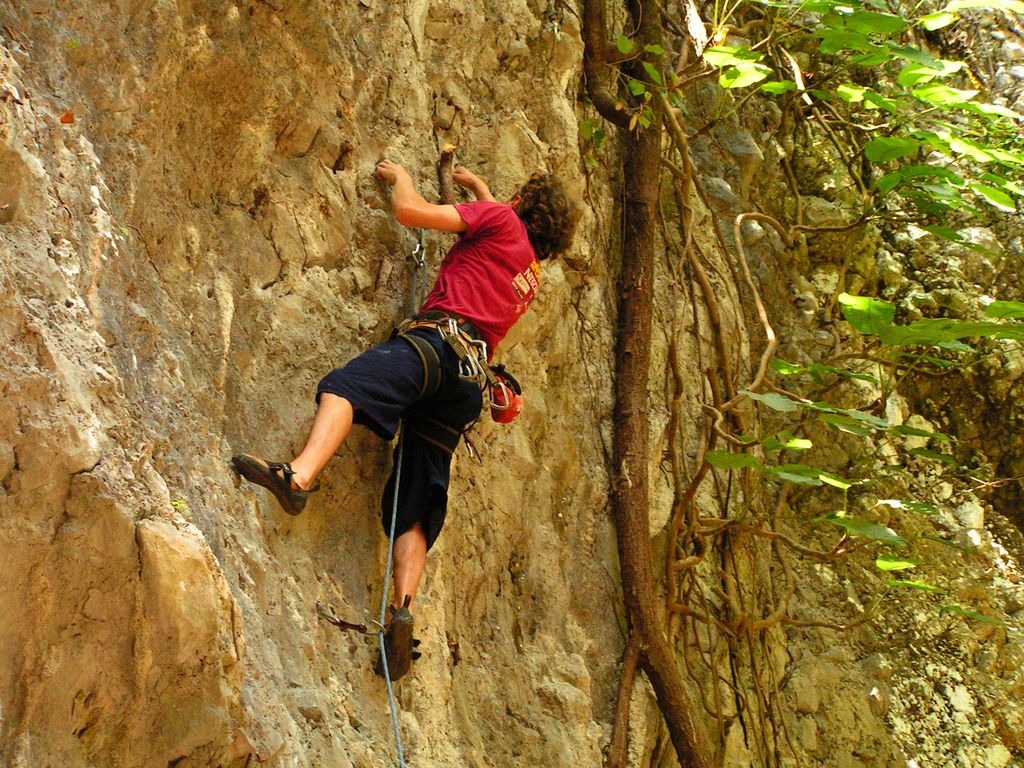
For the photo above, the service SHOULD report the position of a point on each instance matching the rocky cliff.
(190, 236)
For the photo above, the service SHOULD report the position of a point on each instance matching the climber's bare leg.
(330, 428)
(410, 560)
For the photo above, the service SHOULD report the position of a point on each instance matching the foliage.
(877, 320)
(933, 147)
(918, 143)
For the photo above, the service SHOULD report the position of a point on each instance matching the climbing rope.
(419, 290)
(384, 601)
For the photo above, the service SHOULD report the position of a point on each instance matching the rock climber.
(432, 373)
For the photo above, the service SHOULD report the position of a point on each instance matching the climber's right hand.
(390, 171)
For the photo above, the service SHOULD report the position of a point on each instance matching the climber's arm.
(466, 178)
(410, 208)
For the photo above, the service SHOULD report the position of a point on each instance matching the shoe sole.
(398, 642)
(255, 472)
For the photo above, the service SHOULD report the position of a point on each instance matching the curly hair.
(549, 217)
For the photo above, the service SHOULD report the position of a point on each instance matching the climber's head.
(543, 206)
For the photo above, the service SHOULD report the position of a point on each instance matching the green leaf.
(945, 233)
(903, 429)
(912, 173)
(942, 95)
(890, 148)
(934, 330)
(773, 400)
(788, 442)
(845, 424)
(1004, 184)
(867, 315)
(624, 44)
(869, 23)
(914, 73)
(657, 50)
(653, 73)
(818, 371)
(872, 58)
(954, 346)
(742, 75)
(802, 473)
(895, 563)
(1010, 309)
(778, 86)
(914, 585)
(991, 110)
(786, 369)
(925, 453)
(911, 53)
(636, 87)
(853, 94)
(868, 530)
(835, 481)
(873, 99)
(727, 460)
(728, 56)
(972, 149)
(933, 21)
(833, 41)
(960, 610)
(994, 197)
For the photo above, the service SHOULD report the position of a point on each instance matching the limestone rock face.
(191, 236)
(181, 259)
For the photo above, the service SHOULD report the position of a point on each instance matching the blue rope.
(384, 602)
(419, 290)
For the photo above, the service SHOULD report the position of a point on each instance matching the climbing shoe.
(398, 643)
(276, 477)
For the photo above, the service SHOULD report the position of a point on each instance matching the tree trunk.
(630, 497)
(631, 454)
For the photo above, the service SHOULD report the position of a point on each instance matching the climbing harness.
(459, 334)
(504, 392)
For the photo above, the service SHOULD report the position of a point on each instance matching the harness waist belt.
(464, 325)
(461, 336)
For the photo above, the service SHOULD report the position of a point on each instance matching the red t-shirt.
(491, 274)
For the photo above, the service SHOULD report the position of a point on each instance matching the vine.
(916, 148)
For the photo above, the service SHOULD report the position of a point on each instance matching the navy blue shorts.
(383, 384)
